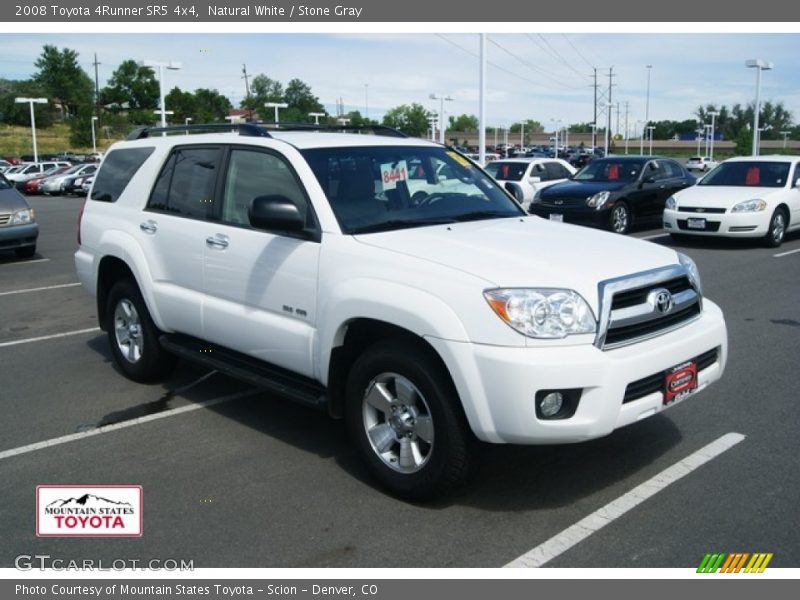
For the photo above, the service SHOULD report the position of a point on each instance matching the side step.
(240, 366)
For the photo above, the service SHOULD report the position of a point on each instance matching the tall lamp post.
(31, 102)
(759, 65)
(650, 129)
(276, 106)
(172, 66)
(316, 116)
(94, 136)
(441, 98)
(785, 135)
(713, 114)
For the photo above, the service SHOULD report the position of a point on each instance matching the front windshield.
(506, 171)
(748, 173)
(609, 170)
(379, 188)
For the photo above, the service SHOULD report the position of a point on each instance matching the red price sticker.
(391, 173)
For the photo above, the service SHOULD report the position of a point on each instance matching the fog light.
(557, 404)
(551, 404)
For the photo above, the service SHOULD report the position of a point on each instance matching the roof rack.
(374, 129)
(246, 129)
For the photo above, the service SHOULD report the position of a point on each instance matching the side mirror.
(275, 213)
(535, 179)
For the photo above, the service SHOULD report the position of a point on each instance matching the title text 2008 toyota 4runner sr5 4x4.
(394, 283)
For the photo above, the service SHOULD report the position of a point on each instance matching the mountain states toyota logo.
(89, 511)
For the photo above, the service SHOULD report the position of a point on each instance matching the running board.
(245, 368)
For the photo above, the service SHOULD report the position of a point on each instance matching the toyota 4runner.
(393, 283)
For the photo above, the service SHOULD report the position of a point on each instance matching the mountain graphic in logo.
(87, 501)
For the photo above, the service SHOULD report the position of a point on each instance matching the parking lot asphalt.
(242, 479)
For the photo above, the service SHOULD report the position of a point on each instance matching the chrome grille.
(645, 305)
(5, 219)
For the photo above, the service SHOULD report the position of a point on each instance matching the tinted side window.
(186, 184)
(252, 174)
(556, 171)
(673, 169)
(117, 170)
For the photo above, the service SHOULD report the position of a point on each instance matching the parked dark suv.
(614, 192)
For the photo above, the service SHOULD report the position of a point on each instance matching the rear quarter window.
(116, 171)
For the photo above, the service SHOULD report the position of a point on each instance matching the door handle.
(149, 227)
(217, 241)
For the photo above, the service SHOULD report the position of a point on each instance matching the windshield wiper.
(400, 224)
(483, 214)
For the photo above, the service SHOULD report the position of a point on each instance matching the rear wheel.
(133, 336)
(402, 412)
(777, 228)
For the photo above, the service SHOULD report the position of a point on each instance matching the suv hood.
(581, 189)
(527, 252)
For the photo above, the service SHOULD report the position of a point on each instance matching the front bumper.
(18, 236)
(577, 215)
(740, 224)
(497, 385)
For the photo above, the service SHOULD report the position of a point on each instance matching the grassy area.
(17, 141)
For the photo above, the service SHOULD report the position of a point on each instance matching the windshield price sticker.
(391, 173)
(464, 162)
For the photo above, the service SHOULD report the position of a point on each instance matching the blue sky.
(539, 76)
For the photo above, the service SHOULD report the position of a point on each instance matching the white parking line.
(48, 337)
(125, 424)
(581, 530)
(653, 236)
(26, 262)
(39, 289)
(786, 253)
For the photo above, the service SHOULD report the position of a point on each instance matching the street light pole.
(171, 65)
(94, 137)
(316, 116)
(759, 65)
(650, 128)
(699, 132)
(713, 115)
(441, 98)
(276, 106)
(785, 135)
(31, 102)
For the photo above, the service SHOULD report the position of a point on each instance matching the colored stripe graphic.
(735, 562)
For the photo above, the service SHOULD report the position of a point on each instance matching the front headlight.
(754, 205)
(542, 313)
(671, 203)
(23, 217)
(694, 273)
(598, 200)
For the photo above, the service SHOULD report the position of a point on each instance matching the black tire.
(133, 336)
(425, 405)
(619, 219)
(25, 252)
(777, 228)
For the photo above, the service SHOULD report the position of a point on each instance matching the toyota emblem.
(661, 300)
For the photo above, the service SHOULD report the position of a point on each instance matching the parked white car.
(700, 163)
(31, 170)
(523, 177)
(55, 185)
(746, 197)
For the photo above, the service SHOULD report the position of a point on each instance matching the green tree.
(20, 114)
(744, 142)
(411, 120)
(531, 126)
(463, 123)
(210, 106)
(182, 104)
(61, 78)
(263, 90)
(299, 95)
(131, 86)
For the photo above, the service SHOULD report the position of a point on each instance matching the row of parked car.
(50, 177)
(751, 197)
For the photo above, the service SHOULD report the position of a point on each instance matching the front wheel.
(133, 336)
(403, 414)
(777, 228)
(620, 219)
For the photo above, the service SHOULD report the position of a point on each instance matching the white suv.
(302, 262)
